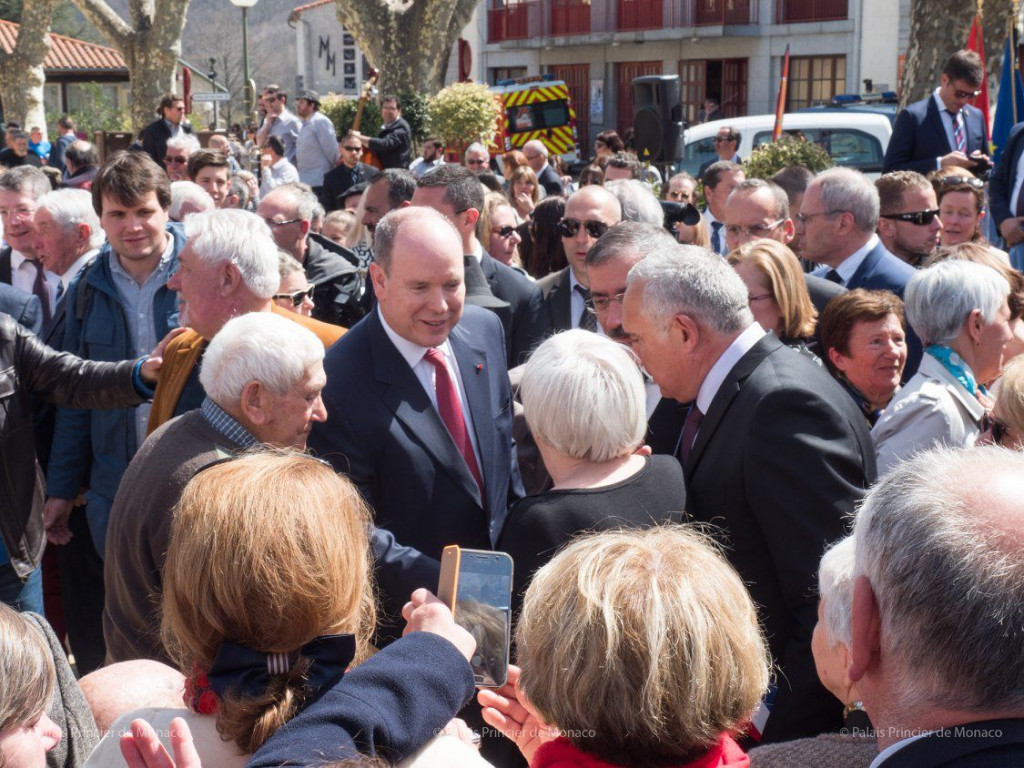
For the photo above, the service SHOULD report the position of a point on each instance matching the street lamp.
(250, 86)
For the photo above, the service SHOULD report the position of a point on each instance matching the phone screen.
(483, 606)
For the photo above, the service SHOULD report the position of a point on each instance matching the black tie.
(833, 277)
(716, 236)
(690, 427)
(588, 320)
(41, 290)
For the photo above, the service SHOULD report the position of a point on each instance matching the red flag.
(780, 104)
(976, 43)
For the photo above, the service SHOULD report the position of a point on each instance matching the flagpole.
(780, 104)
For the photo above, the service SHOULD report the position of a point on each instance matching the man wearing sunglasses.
(349, 172)
(943, 129)
(477, 158)
(726, 143)
(169, 123)
(175, 160)
(908, 221)
(589, 213)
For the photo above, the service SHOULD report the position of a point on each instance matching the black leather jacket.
(30, 368)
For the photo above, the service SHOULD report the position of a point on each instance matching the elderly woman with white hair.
(960, 312)
(855, 746)
(636, 648)
(584, 401)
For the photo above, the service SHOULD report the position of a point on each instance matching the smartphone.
(477, 586)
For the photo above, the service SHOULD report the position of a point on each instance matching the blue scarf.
(956, 366)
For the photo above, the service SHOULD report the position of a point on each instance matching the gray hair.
(835, 588)
(302, 197)
(287, 264)
(753, 186)
(240, 237)
(942, 551)
(637, 200)
(25, 180)
(583, 395)
(476, 146)
(257, 346)
(629, 237)
(691, 280)
(184, 141)
(538, 145)
(71, 207)
(188, 192)
(847, 190)
(940, 298)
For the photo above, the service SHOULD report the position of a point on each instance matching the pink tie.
(451, 412)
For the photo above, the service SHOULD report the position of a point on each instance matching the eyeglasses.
(600, 304)
(275, 224)
(918, 218)
(759, 297)
(505, 232)
(966, 94)
(176, 160)
(353, 149)
(805, 217)
(531, 158)
(569, 227)
(754, 230)
(269, 99)
(677, 194)
(952, 181)
(720, 139)
(476, 162)
(298, 297)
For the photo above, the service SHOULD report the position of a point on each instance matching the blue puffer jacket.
(93, 448)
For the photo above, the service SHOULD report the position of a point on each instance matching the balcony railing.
(543, 18)
(795, 11)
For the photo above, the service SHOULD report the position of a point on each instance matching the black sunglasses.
(298, 297)
(506, 231)
(920, 218)
(569, 227)
(999, 429)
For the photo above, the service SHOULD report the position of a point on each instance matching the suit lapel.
(561, 309)
(936, 120)
(726, 393)
(475, 375)
(490, 271)
(5, 265)
(866, 268)
(56, 322)
(404, 396)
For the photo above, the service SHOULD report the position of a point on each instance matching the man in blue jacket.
(117, 306)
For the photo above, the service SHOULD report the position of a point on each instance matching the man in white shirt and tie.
(720, 179)
(20, 189)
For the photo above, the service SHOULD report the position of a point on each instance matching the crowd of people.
(755, 465)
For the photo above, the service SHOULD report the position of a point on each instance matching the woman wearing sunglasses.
(961, 199)
(295, 292)
(497, 230)
(1005, 425)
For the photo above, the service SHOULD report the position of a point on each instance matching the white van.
(853, 139)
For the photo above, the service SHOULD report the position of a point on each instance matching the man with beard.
(908, 220)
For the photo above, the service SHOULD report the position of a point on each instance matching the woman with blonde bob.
(585, 404)
(776, 290)
(267, 599)
(642, 648)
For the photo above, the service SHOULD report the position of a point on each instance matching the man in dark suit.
(20, 188)
(350, 171)
(776, 455)
(455, 192)
(419, 407)
(589, 213)
(169, 123)
(908, 219)
(756, 209)
(536, 154)
(392, 144)
(726, 141)
(938, 610)
(1005, 202)
(943, 129)
(837, 224)
(23, 307)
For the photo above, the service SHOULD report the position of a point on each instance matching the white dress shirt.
(722, 367)
(425, 372)
(23, 276)
(852, 262)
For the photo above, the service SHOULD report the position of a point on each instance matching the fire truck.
(536, 108)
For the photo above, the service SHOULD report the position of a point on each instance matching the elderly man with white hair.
(228, 268)
(938, 610)
(960, 311)
(536, 154)
(175, 158)
(187, 198)
(263, 376)
(775, 454)
(637, 200)
(477, 158)
(67, 236)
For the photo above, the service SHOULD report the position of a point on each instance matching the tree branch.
(106, 20)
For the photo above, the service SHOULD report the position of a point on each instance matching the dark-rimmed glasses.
(569, 227)
(918, 218)
(298, 297)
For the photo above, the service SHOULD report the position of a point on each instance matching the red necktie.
(451, 412)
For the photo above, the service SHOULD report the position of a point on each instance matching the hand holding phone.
(426, 613)
(477, 585)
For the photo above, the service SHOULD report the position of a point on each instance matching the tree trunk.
(21, 72)
(408, 42)
(150, 49)
(938, 28)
